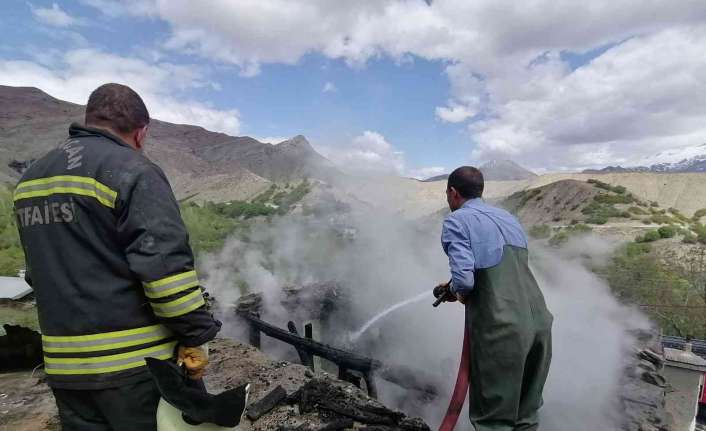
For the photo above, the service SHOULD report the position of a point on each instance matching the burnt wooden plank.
(266, 403)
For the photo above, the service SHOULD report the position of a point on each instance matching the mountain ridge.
(213, 165)
(695, 164)
(496, 170)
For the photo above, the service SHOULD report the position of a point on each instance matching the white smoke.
(393, 259)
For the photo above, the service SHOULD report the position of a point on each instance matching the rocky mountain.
(695, 163)
(496, 170)
(505, 170)
(210, 165)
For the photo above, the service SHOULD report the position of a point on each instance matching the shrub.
(698, 214)
(559, 239)
(637, 210)
(662, 219)
(597, 219)
(619, 189)
(667, 231)
(649, 236)
(689, 238)
(605, 198)
(636, 249)
(580, 229)
(540, 231)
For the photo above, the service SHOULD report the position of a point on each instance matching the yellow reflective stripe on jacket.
(171, 285)
(180, 306)
(104, 341)
(66, 184)
(109, 363)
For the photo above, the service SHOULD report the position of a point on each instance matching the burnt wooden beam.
(305, 357)
(400, 375)
(259, 408)
(370, 384)
(340, 357)
(254, 336)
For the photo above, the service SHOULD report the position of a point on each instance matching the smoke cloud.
(382, 258)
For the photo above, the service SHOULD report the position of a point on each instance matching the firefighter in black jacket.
(109, 259)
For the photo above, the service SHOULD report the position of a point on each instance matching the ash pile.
(287, 396)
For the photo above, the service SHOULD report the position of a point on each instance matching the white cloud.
(54, 16)
(329, 87)
(454, 112)
(503, 63)
(639, 98)
(270, 139)
(427, 172)
(371, 153)
(159, 84)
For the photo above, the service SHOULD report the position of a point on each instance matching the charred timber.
(400, 375)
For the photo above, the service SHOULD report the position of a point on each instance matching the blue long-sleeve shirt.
(473, 238)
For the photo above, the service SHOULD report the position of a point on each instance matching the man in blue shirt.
(507, 320)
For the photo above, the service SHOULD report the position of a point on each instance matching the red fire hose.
(463, 382)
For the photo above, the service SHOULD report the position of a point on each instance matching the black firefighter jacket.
(109, 259)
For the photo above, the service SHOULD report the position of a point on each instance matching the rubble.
(20, 348)
(643, 390)
(313, 401)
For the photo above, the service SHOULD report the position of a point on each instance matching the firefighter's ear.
(139, 137)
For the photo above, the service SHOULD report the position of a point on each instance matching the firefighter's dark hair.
(468, 182)
(117, 107)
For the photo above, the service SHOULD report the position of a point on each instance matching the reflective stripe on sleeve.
(109, 363)
(104, 341)
(171, 285)
(180, 306)
(66, 184)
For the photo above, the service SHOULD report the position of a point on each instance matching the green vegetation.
(667, 231)
(518, 200)
(605, 186)
(211, 223)
(23, 315)
(599, 213)
(540, 231)
(698, 214)
(671, 289)
(608, 199)
(637, 211)
(11, 256)
(560, 236)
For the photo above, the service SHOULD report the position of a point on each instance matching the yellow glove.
(194, 359)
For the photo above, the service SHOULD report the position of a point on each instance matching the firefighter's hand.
(194, 359)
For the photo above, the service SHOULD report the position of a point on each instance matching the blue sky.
(402, 86)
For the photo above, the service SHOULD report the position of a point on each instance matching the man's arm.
(457, 246)
(156, 245)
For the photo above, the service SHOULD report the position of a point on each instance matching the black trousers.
(132, 407)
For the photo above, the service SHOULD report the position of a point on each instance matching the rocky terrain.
(199, 163)
(311, 401)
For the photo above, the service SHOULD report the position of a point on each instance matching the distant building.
(684, 372)
(14, 288)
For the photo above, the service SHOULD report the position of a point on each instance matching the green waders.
(511, 347)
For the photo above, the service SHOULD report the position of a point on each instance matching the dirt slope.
(685, 192)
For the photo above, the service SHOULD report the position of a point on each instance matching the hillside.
(210, 165)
